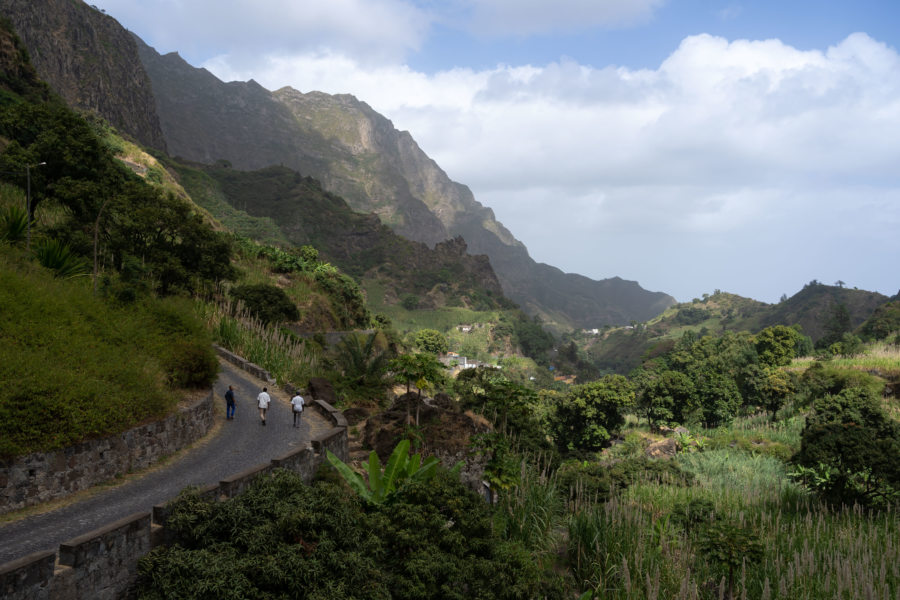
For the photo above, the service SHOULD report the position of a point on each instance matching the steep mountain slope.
(353, 150)
(89, 60)
(359, 155)
(359, 244)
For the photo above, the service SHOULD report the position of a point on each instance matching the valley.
(484, 425)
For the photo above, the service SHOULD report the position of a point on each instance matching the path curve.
(234, 447)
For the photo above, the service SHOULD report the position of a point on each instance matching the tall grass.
(635, 547)
(286, 357)
(529, 512)
(880, 356)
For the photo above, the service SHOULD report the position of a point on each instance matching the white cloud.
(708, 171)
(736, 153)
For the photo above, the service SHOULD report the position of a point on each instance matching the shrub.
(591, 413)
(13, 223)
(850, 449)
(282, 538)
(191, 364)
(266, 302)
(56, 256)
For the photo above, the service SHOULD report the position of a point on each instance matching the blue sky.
(689, 145)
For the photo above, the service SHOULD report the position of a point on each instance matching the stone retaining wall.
(103, 563)
(44, 476)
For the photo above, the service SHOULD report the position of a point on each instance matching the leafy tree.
(531, 336)
(266, 302)
(666, 397)
(513, 407)
(431, 341)
(719, 398)
(777, 387)
(883, 322)
(775, 346)
(852, 446)
(362, 363)
(588, 416)
(410, 302)
(836, 326)
(424, 369)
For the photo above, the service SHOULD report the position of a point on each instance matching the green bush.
(284, 539)
(851, 450)
(13, 223)
(191, 364)
(56, 256)
(266, 302)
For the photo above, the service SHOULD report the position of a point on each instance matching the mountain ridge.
(355, 152)
(358, 154)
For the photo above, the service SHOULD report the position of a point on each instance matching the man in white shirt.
(263, 401)
(297, 405)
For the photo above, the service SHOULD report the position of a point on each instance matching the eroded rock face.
(91, 61)
(359, 155)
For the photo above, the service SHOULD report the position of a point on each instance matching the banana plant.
(400, 468)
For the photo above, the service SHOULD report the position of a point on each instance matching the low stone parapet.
(43, 476)
(103, 563)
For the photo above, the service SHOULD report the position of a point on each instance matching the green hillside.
(277, 204)
(814, 309)
(77, 366)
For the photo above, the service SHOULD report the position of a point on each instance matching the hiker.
(297, 404)
(229, 404)
(263, 400)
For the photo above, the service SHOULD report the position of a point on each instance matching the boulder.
(666, 448)
(321, 389)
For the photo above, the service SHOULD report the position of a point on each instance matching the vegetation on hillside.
(283, 538)
(85, 357)
(824, 313)
(77, 366)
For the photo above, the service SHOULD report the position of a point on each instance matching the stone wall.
(103, 563)
(44, 476)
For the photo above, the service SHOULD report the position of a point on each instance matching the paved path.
(234, 447)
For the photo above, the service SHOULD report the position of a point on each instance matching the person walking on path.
(297, 405)
(229, 403)
(263, 400)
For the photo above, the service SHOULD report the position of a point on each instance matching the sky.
(690, 145)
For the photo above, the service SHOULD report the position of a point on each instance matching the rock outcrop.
(89, 60)
(358, 154)
(354, 151)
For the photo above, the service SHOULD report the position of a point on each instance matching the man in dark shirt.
(229, 403)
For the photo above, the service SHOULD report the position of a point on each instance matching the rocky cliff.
(359, 155)
(354, 151)
(358, 243)
(89, 60)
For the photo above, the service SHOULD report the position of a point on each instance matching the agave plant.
(55, 255)
(13, 223)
